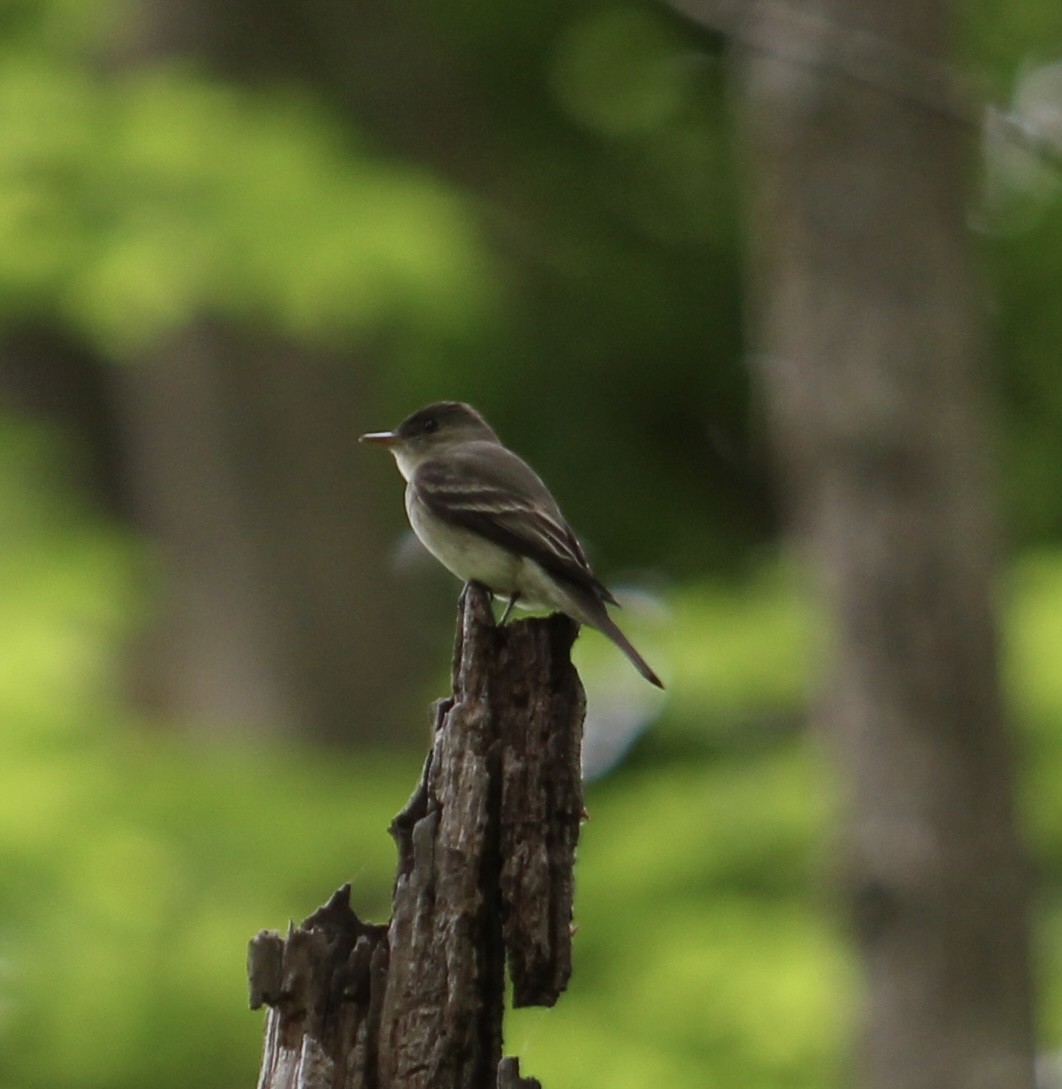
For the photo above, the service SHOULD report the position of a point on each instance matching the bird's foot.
(508, 609)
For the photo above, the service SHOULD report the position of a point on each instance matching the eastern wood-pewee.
(487, 517)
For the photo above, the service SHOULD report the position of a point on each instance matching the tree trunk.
(486, 851)
(243, 465)
(871, 360)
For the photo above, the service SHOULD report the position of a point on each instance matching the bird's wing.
(502, 498)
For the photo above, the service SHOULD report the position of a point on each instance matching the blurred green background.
(233, 237)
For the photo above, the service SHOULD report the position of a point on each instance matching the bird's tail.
(603, 622)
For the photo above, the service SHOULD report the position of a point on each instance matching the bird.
(487, 517)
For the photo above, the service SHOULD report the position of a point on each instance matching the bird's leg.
(508, 609)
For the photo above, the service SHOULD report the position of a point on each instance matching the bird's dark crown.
(452, 419)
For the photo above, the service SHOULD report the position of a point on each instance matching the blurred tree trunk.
(872, 361)
(281, 607)
(386, 66)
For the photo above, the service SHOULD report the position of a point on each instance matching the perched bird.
(485, 515)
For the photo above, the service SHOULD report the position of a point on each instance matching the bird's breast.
(467, 555)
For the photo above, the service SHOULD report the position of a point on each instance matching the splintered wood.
(486, 851)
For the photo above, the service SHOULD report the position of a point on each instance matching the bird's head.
(431, 430)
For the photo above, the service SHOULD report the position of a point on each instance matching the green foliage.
(136, 198)
(133, 203)
(589, 291)
(592, 278)
(702, 956)
(136, 866)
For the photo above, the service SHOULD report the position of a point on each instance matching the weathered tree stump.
(486, 849)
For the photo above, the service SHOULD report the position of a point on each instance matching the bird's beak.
(383, 438)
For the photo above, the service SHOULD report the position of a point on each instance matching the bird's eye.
(430, 424)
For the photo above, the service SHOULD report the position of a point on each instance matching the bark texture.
(872, 363)
(486, 848)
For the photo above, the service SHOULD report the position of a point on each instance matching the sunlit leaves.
(133, 202)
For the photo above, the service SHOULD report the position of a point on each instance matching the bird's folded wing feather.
(501, 498)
